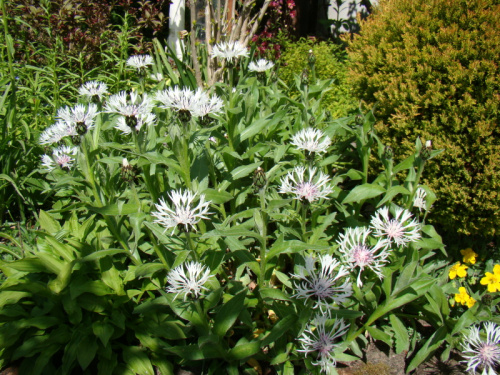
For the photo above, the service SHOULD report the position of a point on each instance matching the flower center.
(488, 353)
(64, 161)
(394, 229)
(362, 256)
(307, 190)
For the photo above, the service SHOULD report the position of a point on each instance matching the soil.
(381, 360)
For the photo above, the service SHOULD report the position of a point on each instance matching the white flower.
(188, 281)
(312, 188)
(401, 229)
(93, 90)
(140, 61)
(80, 117)
(135, 109)
(480, 352)
(56, 132)
(419, 200)
(229, 50)
(260, 66)
(126, 124)
(158, 77)
(318, 338)
(312, 140)
(62, 156)
(207, 106)
(185, 211)
(327, 285)
(356, 250)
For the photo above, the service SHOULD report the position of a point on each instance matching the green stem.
(420, 169)
(304, 207)
(263, 244)
(190, 245)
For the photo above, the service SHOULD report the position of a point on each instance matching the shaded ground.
(379, 360)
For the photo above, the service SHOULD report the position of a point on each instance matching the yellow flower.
(469, 256)
(492, 279)
(471, 302)
(458, 270)
(462, 297)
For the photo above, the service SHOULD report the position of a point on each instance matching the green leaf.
(137, 360)
(115, 209)
(148, 269)
(391, 193)
(430, 346)
(402, 340)
(279, 329)
(11, 297)
(377, 334)
(48, 223)
(102, 254)
(216, 196)
(103, 331)
(228, 313)
(363, 192)
(87, 350)
(274, 294)
(246, 350)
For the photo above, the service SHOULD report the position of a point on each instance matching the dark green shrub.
(432, 68)
(330, 63)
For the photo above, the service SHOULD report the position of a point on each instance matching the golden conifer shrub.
(432, 67)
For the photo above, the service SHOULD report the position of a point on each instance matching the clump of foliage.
(237, 229)
(330, 63)
(432, 69)
(82, 28)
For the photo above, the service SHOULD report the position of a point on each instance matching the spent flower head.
(326, 286)
(311, 140)
(229, 51)
(401, 229)
(306, 185)
(320, 337)
(188, 279)
(482, 352)
(357, 252)
(185, 211)
(260, 66)
(419, 201)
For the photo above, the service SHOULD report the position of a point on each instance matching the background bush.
(432, 68)
(330, 64)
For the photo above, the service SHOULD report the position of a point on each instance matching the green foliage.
(98, 292)
(432, 69)
(330, 64)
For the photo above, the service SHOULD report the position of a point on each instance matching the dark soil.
(380, 360)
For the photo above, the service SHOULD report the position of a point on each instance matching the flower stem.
(190, 246)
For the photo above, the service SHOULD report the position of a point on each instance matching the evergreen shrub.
(330, 64)
(432, 68)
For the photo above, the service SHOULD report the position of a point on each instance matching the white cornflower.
(401, 229)
(93, 90)
(229, 50)
(80, 116)
(126, 125)
(188, 279)
(329, 285)
(419, 200)
(131, 106)
(62, 156)
(312, 140)
(184, 101)
(185, 211)
(158, 77)
(207, 105)
(140, 62)
(318, 338)
(480, 352)
(356, 250)
(260, 66)
(312, 188)
(56, 132)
